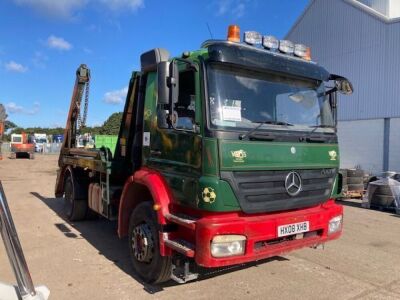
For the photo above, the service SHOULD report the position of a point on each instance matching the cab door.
(176, 152)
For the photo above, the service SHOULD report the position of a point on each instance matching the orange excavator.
(22, 145)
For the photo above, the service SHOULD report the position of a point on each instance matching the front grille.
(264, 191)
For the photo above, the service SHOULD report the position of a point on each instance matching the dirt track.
(86, 260)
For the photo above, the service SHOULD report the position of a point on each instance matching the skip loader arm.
(74, 120)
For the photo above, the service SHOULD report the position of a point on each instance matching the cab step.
(183, 220)
(181, 246)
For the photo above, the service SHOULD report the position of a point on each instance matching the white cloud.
(39, 60)
(119, 5)
(87, 50)
(13, 108)
(236, 8)
(115, 97)
(68, 9)
(34, 110)
(55, 8)
(13, 66)
(239, 10)
(58, 43)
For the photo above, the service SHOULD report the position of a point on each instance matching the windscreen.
(241, 98)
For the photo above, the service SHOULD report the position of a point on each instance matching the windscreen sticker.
(232, 112)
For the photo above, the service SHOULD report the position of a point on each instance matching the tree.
(112, 124)
(9, 124)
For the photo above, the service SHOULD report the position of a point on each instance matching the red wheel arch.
(139, 187)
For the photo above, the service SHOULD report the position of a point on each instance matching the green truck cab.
(225, 155)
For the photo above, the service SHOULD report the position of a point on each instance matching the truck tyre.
(75, 207)
(385, 190)
(144, 246)
(382, 200)
(355, 180)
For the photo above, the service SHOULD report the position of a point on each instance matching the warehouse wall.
(394, 147)
(350, 42)
(361, 144)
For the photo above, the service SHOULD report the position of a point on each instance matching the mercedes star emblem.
(293, 183)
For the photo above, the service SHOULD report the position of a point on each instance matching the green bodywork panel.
(191, 163)
(275, 156)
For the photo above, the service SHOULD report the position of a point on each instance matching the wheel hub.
(142, 243)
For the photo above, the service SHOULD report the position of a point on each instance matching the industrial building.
(360, 40)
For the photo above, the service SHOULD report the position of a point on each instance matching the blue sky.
(42, 42)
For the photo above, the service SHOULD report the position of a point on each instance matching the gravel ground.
(86, 260)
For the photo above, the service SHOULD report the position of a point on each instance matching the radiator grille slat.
(264, 191)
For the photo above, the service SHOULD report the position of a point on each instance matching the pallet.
(353, 194)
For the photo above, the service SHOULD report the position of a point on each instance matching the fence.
(50, 148)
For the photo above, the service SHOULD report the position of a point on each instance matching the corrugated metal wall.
(350, 42)
(361, 144)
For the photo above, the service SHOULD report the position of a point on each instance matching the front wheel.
(144, 246)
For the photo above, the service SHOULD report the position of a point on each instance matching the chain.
(82, 118)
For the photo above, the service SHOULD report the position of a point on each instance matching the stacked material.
(383, 194)
(352, 181)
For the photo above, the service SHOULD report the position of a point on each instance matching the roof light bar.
(286, 46)
(300, 50)
(270, 42)
(252, 38)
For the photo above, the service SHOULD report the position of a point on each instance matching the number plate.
(294, 228)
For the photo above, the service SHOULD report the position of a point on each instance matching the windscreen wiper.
(251, 131)
(309, 138)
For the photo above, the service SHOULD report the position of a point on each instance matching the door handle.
(155, 152)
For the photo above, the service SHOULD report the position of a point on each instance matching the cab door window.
(185, 107)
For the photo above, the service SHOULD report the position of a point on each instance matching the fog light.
(228, 245)
(335, 224)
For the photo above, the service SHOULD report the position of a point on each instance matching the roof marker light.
(234, 33)
(286, 46)
(307, 56)
(270, 42)
(300, 50)
(252, 38)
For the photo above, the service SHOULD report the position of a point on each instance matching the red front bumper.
(261, 233)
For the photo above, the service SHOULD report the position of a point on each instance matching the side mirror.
(168, 92)
(173, 82)
(163, 75)
(344, 86)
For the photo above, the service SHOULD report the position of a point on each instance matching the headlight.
(335, 224)
(228, 245)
